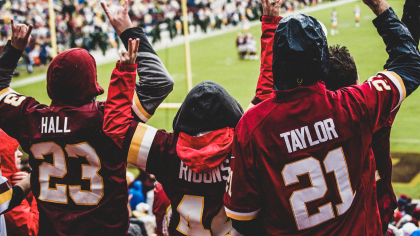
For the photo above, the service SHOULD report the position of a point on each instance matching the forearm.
(404, 58)
(411, 18)
(8, 63)
(155, 82)
(117, 115)
(265, 80)
(14, 196)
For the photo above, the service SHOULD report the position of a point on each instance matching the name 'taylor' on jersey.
(294, 139)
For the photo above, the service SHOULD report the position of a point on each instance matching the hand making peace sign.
(129, 57)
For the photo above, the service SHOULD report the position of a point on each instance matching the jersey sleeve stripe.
(140, 145)
(5, 206)
(139, 110)
(5, 199)
(5, 92)
(397, 81)
(241, 216)
(6, 193)
(4, 186)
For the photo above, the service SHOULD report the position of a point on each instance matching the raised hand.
(377, 6)
(18, 176)
(271, 7)
(129, 58)
(118, 18)
(25, 185)
(21, 35)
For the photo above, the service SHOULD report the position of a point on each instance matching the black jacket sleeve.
(16, 200)
(8, 63)
(404, 58)
(155, 82)
(411, 18)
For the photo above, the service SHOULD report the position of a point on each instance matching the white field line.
(398, 140)
(112, 55)
(170, 106)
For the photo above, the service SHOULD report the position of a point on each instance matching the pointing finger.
(130, 45)
(106, 10)
(133, 51)
(126, 3)
(13, 26)
(137, 46)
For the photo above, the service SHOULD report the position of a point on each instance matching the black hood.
(207, 107)
(300, 50)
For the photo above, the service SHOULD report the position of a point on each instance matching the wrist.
(379, 8)
(271, 19)
(126, 67)
(10, 56)
(125, 29)
(133, 32)
(16, 47)
(272, 14)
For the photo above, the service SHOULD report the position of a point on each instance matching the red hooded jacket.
(23, 219)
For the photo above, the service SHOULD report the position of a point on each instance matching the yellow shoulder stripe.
(140, 145)
(139, 110)
(6, 196)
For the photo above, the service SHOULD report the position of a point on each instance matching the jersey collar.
(282, 95)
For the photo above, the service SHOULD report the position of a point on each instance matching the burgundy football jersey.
(78, 173)
(196, 199)
(303, 159)
(387, 202)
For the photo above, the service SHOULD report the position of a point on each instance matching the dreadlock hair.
(342, 71)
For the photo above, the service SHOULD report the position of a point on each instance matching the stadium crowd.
(81, 23)
(406, 218)
(310, 139)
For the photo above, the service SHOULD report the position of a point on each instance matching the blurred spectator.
(406, 218)
(147, 180)
(241, 45)
(402, 202)
(134, 228)
(251, 47)
(23, 219)
(81, 23)
(137, 194)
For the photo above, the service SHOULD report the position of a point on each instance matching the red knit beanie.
(71, 77)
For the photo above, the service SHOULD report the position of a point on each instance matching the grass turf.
(215, 58)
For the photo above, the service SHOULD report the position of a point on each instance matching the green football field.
(215, 58)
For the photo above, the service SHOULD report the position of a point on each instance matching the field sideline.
(215, 59)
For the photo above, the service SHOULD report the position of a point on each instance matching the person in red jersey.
(342, 73)
(192, 162)
(303, 162)
(79, 174)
